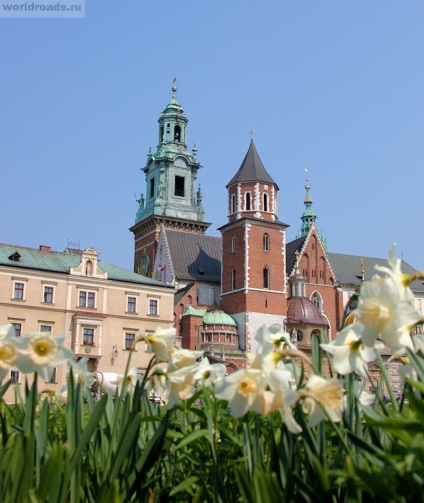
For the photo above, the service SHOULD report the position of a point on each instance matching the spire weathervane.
(251, 134)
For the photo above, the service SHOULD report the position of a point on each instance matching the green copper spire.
(171, 171)
(308, 217)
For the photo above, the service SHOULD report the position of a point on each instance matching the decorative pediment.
(89, 265)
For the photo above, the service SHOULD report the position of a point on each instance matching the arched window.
(316, 300)
(177, 134)
(233, 244)
(266, 277)
(233, 203)
(266, 242)
(233, 279)
(248, 201)
(265, 202)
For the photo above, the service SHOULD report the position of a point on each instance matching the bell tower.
(170, 196)
(253, 251)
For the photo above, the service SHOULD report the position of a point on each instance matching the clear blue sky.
(334, 84)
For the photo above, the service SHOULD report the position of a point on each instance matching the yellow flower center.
(372, 312)
(247, 387)
(8, 355)
(43, 349)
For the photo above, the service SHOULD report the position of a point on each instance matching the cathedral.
(228, 287)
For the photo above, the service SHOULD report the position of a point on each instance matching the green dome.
(218, 317)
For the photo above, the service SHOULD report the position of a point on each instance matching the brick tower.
(253, 251)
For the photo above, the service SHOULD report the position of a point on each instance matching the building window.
(46, 328)
(248, 201)
(233, 279)
(14, 375)
(18, 329)
(131, 304)
(177, 134)
(266, 242)
(265, 202)
(48, 294)
(18, 291)
(233, 203)
(316, 300)
(179, 186)
(87, 299)
(129, 340)
(88, 336)
(233, 244)
(266, 277)
(153, 307)
(152, 188)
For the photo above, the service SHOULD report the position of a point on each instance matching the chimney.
(45, 248)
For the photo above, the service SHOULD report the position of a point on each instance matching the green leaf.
(184, 485)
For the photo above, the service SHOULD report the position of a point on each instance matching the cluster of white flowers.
(385, 317)
(36, 352)
(185, 368)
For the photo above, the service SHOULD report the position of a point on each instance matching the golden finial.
(297, 258)
(174, 87)
(251, 134)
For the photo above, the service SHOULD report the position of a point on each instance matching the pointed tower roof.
(252, 169)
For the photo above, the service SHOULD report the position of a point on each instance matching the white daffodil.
(394, 271)
(127, 381)
(349, 351)
(43, 353)
(208, 374)
(11, 348)
(281, 397)
(6, 331)
(323, 396)
(272, 338)
(418, 340)
(180, 358)
(161, 343)
(179, 385)
(241, 390)
(81, 373)
(385, 314)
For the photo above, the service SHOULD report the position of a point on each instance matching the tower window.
(162, 137)
(266, 242)
(265, 202)
(179, 186)
(248, 201)
(233, 244)
(168, 131)
(316, 300)
(233, 203)
(152, 188)
(266, 277)
(233, 279)
(177, 134)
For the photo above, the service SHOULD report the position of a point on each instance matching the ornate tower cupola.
(171, 171)
(171, 198)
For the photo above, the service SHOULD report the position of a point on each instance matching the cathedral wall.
(254, 322)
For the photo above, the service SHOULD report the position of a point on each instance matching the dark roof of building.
(252, 169)
(195, 256)
(61, 262)
(291, 248)
(302, 310)
(348, 269)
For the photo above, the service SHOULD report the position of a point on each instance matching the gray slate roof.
(347, 269)
(291, 248)
(61, 262)
(195, 256)
(252, 169)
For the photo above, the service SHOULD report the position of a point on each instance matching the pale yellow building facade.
(101, 308)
